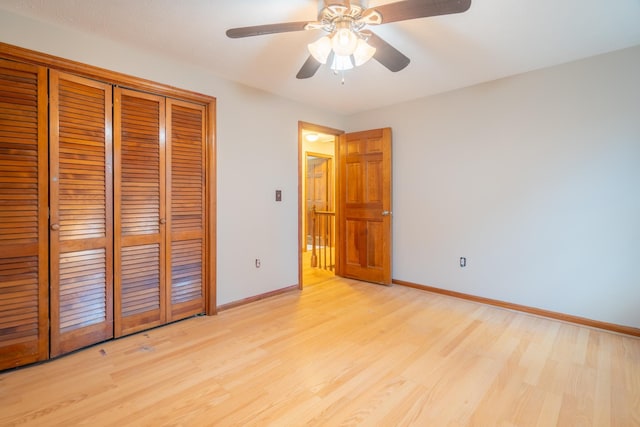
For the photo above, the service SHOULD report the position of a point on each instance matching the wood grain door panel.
(23, 215)
(81, 251)
(139, 142)
(365, 205)
(186, 201)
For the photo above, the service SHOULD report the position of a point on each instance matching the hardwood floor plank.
(550, 411)
(340, 353)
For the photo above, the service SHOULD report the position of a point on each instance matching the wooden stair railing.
(322, 252)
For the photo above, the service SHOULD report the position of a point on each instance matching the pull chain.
(341, 73)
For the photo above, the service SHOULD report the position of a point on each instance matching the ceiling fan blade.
(411, 9)
(388, 55)
(259, 30)
(309, 68)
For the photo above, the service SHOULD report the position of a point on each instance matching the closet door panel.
(81, 212)
(23, 215)
(186, 219)
(139, 211)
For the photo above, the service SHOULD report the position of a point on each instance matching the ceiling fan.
(349, 42)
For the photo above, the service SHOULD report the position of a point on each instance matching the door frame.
(305, 126)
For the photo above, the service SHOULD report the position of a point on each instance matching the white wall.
(257, 149)
(535, 179)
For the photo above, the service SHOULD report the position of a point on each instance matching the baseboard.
(255, 298)
(627, 330)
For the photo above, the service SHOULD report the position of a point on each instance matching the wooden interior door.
(81, 203)
(364, 209)
(23, 215)
(186, 202)
(139, 206)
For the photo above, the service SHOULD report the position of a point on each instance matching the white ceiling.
(494, 39)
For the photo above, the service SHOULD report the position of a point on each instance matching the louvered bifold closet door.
(139, 144)
(186, 200)
(23, 215)
(81, 191)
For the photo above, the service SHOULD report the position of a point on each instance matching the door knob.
(386, 213)
(55, 227)
(163, 221)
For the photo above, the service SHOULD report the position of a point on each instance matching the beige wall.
(534, 178)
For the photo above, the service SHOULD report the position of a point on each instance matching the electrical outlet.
(463, 261)
(258, 263)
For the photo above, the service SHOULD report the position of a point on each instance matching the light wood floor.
(311, 276)
(340, 353)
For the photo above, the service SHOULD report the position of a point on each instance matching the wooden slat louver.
(81, 212)
(186, 151)
(186, 257)
(140, 211)
(23, 219)
(82, 289)
(141, 279)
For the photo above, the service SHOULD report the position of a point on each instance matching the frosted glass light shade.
(363, 52)
(341, 63)
(344, 42)
(320, 49)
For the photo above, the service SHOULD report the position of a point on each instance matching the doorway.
(319, 200)
(317, 190)
(358, 240)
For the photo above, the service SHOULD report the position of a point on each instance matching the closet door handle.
(163, 221)
(55, 227)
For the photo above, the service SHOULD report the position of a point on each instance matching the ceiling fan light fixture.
(363, 52)
(320, 49)
(345, 45)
